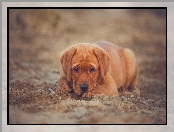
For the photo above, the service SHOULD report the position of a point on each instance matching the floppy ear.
(104, 61)
(66, 61)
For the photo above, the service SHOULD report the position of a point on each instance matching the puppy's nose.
(83, 87)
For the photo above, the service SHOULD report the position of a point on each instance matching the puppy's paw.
(126, 93)
(63, 89)
(88, 96)
(136, 91)
(133, 93)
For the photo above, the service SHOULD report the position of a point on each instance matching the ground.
(37, 38)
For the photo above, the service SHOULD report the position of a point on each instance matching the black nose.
(83, 87)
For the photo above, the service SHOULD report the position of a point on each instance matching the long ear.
(104, 61)
(66, 61)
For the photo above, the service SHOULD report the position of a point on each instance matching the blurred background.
(38, 37)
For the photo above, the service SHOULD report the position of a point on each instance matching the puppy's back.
(116, 65)
(123, 66)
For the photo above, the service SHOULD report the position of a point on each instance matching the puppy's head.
(85, 66)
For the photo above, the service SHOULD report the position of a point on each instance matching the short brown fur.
(103, 66)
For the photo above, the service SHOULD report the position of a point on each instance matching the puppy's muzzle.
(84, 87)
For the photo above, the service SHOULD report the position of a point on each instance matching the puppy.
(99, 68)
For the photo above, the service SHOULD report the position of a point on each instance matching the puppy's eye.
(76, 69)
(92, 69)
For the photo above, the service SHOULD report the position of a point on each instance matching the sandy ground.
(37, 38)
(34, 53)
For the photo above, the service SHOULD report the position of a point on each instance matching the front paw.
(88, 96)
(63, 89)
(137, 91)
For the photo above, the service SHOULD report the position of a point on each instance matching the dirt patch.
(38, 37)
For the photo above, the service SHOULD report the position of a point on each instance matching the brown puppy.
(100, 68)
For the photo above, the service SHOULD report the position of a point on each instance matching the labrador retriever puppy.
(99, 68)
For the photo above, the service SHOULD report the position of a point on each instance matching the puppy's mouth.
(76, 95)
(79, 94)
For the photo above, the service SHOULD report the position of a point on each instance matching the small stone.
(132, 96)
